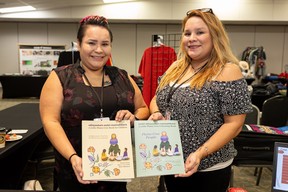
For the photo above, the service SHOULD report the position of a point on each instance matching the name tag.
(102, 119)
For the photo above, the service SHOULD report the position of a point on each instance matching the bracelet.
(71, 157)
(206, 150)
(156, 112)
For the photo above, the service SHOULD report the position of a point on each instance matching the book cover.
(107, 150)
(158, 149)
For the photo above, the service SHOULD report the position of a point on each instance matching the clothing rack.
(255, 57)
(171, 40)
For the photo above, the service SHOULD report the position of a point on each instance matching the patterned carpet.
(243, 176)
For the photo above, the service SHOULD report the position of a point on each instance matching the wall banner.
(38, 59)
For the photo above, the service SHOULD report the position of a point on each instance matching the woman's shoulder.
(114, 69)
(230, 72)
(68, 68)
(116, 72)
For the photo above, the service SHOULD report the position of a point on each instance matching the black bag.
(255, 144)
(266, 89)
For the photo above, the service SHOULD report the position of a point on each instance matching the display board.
(38, 59)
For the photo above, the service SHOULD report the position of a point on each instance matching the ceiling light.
(16, 9)
(115, 1)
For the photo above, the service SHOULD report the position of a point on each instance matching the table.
(14, 157)
(15, 86)
(18, 190)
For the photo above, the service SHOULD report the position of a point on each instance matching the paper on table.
(18, 131)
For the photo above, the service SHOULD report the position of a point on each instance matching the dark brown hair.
(93, 20)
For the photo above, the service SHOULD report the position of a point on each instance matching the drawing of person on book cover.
(155, 151)
(163, 151)
(176, 150)
(114, 149)
(142, 150)
(125, 154)
(104, 156)
(169, 151)
(164, 141)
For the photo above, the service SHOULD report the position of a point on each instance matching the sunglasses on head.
(204, 10)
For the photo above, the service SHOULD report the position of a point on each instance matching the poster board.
(38, 59)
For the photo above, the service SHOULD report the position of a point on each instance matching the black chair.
(254, 116)
(275, 111)
(251, 118)
(274, 114)
(44, 159)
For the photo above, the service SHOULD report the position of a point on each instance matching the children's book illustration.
(107, 150)
(158, 148)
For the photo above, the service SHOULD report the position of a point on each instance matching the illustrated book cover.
(107, 152)
(158, 149)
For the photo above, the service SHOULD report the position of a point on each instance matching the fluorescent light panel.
(115, 1)
(16, 9)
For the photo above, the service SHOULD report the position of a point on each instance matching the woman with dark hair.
(87, 90)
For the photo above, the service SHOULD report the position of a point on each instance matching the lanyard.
(102, 90)
(173, 88)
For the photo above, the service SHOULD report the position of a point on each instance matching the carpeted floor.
(243, 176)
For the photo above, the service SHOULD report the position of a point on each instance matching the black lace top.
(81, 103)
(200, 114)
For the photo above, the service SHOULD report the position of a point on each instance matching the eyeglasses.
(204, 10)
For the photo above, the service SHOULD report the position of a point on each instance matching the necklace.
(173, 88)
(197, 69)
(100, 99)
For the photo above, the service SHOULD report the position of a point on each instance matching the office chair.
(254, 116)
(251, 118)
(44, 155)
(274, 111)
(274, 114)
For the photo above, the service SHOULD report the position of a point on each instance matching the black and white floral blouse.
(201, 113)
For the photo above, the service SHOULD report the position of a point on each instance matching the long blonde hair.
(221, 52)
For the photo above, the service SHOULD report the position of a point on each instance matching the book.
(107, 152)
(158, 148)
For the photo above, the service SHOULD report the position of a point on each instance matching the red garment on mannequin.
(155, 61)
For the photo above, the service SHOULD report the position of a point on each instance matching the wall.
(167, 11)
(132, 39)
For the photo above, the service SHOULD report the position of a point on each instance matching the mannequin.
(157, 40)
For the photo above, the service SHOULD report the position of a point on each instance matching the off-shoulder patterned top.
(200, 114)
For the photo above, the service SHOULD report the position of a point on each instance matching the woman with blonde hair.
(206, 92)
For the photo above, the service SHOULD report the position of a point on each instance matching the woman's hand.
(125, 115)
(191, 165)
(156, 116)
(76, 162)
